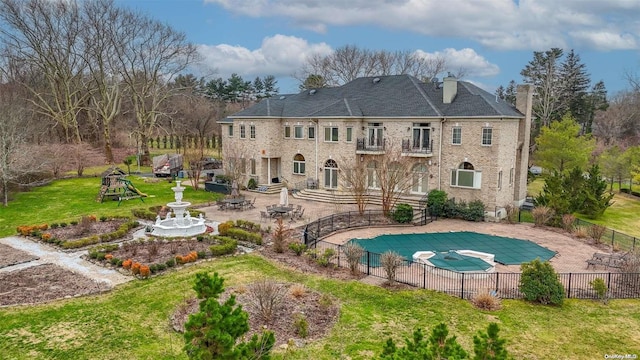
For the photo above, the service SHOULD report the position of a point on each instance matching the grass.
(96, 327)
(69, 199)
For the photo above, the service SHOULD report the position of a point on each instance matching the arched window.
(396, 177)
(466, 176)
(331, 174)
(419, 178)
(298, 164)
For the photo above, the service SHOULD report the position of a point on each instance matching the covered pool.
(507, 251)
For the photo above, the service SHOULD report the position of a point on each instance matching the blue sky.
(492, 39)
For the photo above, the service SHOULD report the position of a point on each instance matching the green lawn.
(132, 321)
(69, 199)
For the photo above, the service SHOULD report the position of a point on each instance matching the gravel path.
(68, 260)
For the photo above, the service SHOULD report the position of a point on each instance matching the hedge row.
(96, 239)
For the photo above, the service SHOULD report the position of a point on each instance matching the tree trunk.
(144, 150)
(108, 150)
(5, 193)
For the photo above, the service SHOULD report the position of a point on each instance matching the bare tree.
(350, 62)
(17, 161)
(619, 123)
(235, 163)
(391, 172)
(102, 31)
(354, 176)
(150, 54)
(45, 34)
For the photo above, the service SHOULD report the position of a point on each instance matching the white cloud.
(468, 59)
(500, 24)
(278, 55)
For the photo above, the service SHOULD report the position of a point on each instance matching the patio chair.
(299, 214)
(264, 215)
(221, 205)
(251, 204)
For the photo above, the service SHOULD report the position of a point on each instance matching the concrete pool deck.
(571, 253)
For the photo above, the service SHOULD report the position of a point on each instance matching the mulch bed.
(10, 256)
(72, 232)
(320, 313)
(43, 283)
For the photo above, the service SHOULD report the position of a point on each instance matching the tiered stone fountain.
(181, 223)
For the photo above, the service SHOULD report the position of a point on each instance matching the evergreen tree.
(595, 198)
(438, 346)
(510, 93)
(489, 346)
(270, 88)
(596, 101)
(575, 82)
(213, 332)
(554, 196)
(573, 185)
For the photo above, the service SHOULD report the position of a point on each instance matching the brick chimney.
(449, 89)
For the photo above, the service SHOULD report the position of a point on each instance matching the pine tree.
(212, 333)
(543, 73)
(489, 346)
(437, 346)
(596, 200)
(575, 82)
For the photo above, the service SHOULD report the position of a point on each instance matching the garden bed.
(10, 256)
(44, 283)
(319, 312)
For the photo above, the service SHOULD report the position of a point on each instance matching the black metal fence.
(504, 285)
(616, 239)
(463, 285)
(353, 219)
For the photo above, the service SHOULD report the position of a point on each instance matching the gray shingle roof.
(396, 96)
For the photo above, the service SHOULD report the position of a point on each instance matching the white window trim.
(453, 137)
(477, 179)
(285, 132)
(490, 138)
(295, 127)
(331, 134)
(346, 135)
(252, 132)
(309, 129)
(243, 131)
(230, 131)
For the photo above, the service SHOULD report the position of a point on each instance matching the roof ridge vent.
(376, 80)
(282, 97)
(312, 91)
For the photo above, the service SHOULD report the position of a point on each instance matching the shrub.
(135, 268)
(435, 202)
(199, 238)
(63, 224)
(115, 261)
(485, 300)
(153, 268)
(354, 253)
(101, 256)
(224, 227)
(297, 248)
(227, 246)
(127, 264)
(474, 211)
(278, 236)
(202, 254)
(301, 325)
(512, 214)
(540, 283)
(103, 218)
(74, 222)
(170, 263)
(568, 222)
(54, 225)
(298, 291)
(596, 232)
(580, 232)
(601, 289)
(542, 215)
(145, 271)
(162, 267)
(324, 258)
(390, 262)
(46, 237)
(403, 213)
(242, 235)
(252, 184)
(325, 302)
(266, 297)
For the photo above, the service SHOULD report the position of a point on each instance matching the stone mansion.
(455, 136)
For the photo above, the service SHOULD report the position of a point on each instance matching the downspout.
(440, 154)
(317, 122)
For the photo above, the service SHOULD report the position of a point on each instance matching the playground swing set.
(115, 186)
